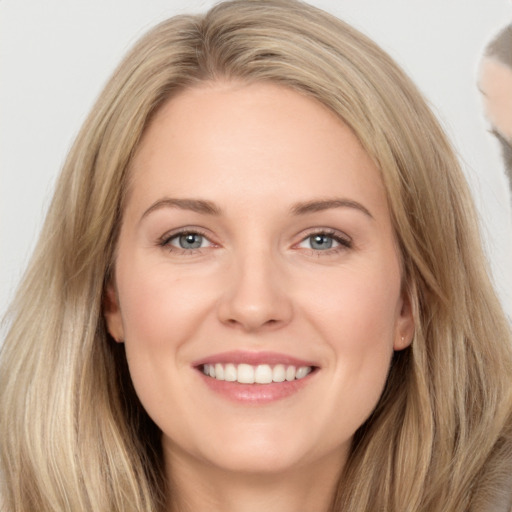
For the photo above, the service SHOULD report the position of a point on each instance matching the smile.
(255, 378)
(260, 374)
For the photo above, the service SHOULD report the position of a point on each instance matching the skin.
(496, 86)
(256, 284)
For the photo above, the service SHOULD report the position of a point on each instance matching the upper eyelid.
(334, 233)
(169, 235)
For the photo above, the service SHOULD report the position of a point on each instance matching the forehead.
(260, 139)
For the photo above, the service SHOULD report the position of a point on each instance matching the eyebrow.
(327, 204)
(194, 205)
(203, 206)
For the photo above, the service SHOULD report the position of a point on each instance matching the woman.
(259, 283)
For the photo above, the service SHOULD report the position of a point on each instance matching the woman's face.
(256, 243)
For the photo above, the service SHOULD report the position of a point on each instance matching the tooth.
(302, 372)
(290, 373)
(245, 374)
(230, 373)
(219, 371)
(263, 374)
(278, 373)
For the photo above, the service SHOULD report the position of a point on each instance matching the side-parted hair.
(73, 434)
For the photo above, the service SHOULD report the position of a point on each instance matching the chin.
(266, 461)
(265, 450)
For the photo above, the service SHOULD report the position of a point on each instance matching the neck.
(196, 485)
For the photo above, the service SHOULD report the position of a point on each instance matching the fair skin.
(256, 231)
(496, 86)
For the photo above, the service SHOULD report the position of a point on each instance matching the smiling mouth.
(258, 374)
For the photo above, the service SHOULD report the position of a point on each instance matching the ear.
(112, 313)
(405, 323)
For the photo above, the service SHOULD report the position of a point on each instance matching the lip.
(253, 358)
(254, 394)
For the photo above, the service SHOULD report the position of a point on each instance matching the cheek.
(161, 309)
(357, 314)
(161, 313)
(357, 309)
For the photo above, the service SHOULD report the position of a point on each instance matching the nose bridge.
(255, 295)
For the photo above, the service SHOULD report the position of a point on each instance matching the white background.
(55, 56)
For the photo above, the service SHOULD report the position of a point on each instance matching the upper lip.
(253, 358)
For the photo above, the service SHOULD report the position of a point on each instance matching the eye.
(185, 241)
(320, 242)
(325, 241)
(188, 241)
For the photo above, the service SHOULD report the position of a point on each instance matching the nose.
(256, 296)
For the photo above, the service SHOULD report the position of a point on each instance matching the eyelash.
(165, 241)
(343, 241)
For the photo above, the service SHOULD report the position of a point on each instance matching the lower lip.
(256, 393)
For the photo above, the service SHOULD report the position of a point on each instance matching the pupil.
(321, 242)
(191, 241)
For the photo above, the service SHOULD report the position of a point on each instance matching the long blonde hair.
(73, 433)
